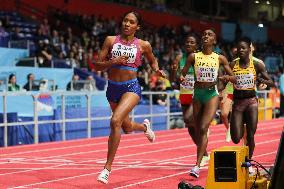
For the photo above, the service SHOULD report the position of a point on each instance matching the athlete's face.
(208, 37)
(130, 24)
(190, 44)
(243, 50)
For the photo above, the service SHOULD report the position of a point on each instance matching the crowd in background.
(83, 45)
(77, 39)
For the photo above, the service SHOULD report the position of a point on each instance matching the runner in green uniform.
(186, 88)
(205, 99)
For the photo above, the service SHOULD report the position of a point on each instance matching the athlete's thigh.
(125, 105)
(251, 116)
(209, 111)
(187, 112)
(236, 123)
(126, 124)
(197, 111)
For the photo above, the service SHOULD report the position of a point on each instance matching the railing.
(32, 62)
(79, 85)
(64, 120)
(89, 119)
(19, 44)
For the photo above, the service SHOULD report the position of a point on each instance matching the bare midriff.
(200, 85)
(119, 75)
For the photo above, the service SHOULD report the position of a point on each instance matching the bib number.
(123, 50)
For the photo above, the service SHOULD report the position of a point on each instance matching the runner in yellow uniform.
(205, 98)
(186, 88)
(245, 106)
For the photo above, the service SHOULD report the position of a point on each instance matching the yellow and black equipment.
(226, 170)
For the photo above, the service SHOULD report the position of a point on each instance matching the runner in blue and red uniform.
(124, 92)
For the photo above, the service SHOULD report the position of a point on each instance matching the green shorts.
(203, 95)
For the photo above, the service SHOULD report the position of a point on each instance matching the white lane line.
(180, 132)
(141, 153)
(139, 145)
(78, 176)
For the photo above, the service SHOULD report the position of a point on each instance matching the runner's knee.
(203, 131)
(115, 122)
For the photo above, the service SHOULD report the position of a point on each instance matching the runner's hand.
(224, 78)
(181, 78)
(119, 60)
(262, 86)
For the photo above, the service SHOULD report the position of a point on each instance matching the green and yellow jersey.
(206, 67)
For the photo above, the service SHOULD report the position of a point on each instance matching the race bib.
(244, 81)
(206, 74)
(123, 50)
(188, 83)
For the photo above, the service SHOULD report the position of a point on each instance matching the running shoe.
(194, 171)
(251, 171)
(149, 132)
(103, 176)
(204, 160)
(228, 136)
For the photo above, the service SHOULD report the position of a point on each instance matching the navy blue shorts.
(115, 90)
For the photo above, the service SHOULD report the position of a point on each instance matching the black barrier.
(277, 180)
(185, 185)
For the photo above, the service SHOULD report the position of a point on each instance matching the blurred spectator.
(85, 40)
(105, 75)
(153, 79)
(185, 29)
(160, 99)
(45, 27)
(4, 36)
(91, 60)
(5, 21)
(166, 83)
(2, 30)
(44, 54)
(12, 83)
(72, 60)
(90, 84)
(75, 84)
(62, 45)
(17, 34)
(69, 35)
(55, 38)
(30, 85)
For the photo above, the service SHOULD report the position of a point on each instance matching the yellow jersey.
(245, 77)
(206, 67)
